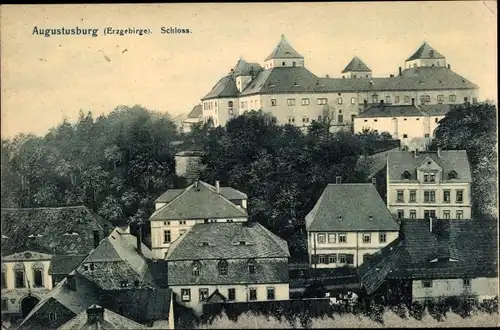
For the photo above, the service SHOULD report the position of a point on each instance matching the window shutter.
(350, 258)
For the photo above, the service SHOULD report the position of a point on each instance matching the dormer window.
(431, 53)
(222, 267)
(242, 243)
(251, 266)
(35, 236)
(70, 233)
(406, 175)
(204, 243)
(196, 268)
(452, 175)
(124, 283)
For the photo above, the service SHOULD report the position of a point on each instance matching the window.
(322, 101)
(321, 259)
(460, 196)
(406, 175)
(426, 134)
(400, 196)
(452, 98)
(196, 268)
(350, 259)
(85, 267)
(182, 232)
(91, 266)
(367, 238)
(340, 119)
(305, 102)
(374, 180)
(294, 63)
(396, 99)
(382, 238)
(231, 294)
(427, 283)
(305, 119)
(182, 222)
(38, 276)
(407, 99)
(186, 294)
(440, 99)
(19, 278)
(223, 267)
(4, 304)
(270, 293)
(466, 283)
(413, 214)
(290, 101)
(338, 179)
(321, 238)
(251, 267)
(446, 214)
(405, 136)
(426, 177)
(446, 196)
(52, 316)
(284, 64)
(401, 214)
(291, 120)
(460, 214)
(375, 99)
(342, 258)
(339, 100)
(342, 238)
(432, 177)
(429, 196)
(427, 98)
(431, 53)
(452, 175)
(429, 214)
(388, 99)
(422, 99)
(4, 279)
(413, 196)
(253, 294)
(331, 238)
(203, 294)
(332, 258)
(166, 236)
(230, 104)
(353, 100)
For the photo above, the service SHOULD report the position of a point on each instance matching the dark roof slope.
(425, 52)
(354, 202)
(356, 65)
(449, 160)
(64, 264)
(242, 68)
(284, 50)
(51, 224)
(200, 202)
(225, 87)
(223, 241)
(110, 320)
(373, 164)
(196, 112)
(228, 192)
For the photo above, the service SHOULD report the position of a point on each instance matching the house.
(414, 125)
(229, 261)
(436, 258)
(40, 246)
(294, 95)
(66, 300)
(97, 317)
(349, 222)
(194, 117)
(429, 184)
(178, 210)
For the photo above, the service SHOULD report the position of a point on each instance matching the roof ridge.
(176, 197)
(274, 238)
(224, 198)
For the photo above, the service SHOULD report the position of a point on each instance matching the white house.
(349, 222)
(194, 117)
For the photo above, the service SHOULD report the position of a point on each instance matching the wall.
(226, 113)
(281, 292)
(354, 245)
(40, 320)
(426, 62)
(277, 63)
(482, 287)
(357, 75)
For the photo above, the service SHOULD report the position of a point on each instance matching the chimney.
(96, 238)
(71, 281)
(139, 239)
(217, 186)
(449, 67)
(95, 314)
(439, 152)
(400, 71)
(412, 101)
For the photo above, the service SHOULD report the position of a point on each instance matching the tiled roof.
(196, 112)
(223, 240)
(51, 223)
(284, 50)
(110, 320)
(75, 300)
(200, 202)
(242, 68)
(226, 87)
(424, 52)
(356, 65)
(436, 109)
(64, 264)
(456, 248)
(450, 160)
(373, 164)
(115, 260)
(228, 192)
(354, 202)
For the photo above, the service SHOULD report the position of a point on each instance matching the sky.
(46, 79)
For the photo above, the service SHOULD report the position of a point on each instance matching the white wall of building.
(481, 287)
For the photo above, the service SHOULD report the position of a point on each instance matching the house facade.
(178, 210)
(284, 87)
(429, 184)
(37, 243)
(231, 262)
(348, 223)
(193, 117)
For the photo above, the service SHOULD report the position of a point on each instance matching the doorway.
(27, 304)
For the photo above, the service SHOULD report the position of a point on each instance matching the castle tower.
(356, 69)
(425, 56)
(284, 56)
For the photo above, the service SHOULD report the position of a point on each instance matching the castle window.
(400, 196)
(283, 63)
(230, 104)
(166, 236)
(452, 98)
(339, 100)
(294, 64)
(253, 294)
(305, 101)
(382, 238)
(431, 53)
(38, 275)
(223, 267)
(367, 238)
(353, 100)
(186, 295)
(406, 175)
(322, 101)
(440, 99)
(452, 175)
(19, 279)
(321, 238)
(273, 102)
(340, 119)
(413, 214)
(290, 102)
(396, 99)
(196, 268)
(407, 99)
(388, 99)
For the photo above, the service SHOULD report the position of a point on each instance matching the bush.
(489, 306)
(438, 309)
(400, 310)
(417, 310)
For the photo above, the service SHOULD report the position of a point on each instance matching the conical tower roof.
(284, 50)
(356, 65)
(425, 52)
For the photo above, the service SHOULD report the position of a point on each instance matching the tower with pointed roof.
(356, 69)
(425, 56)
(284, 55)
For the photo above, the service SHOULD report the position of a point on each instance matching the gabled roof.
(228, 192)
(64, 264)
(242, 68)
(225, 87)
(110, 320)
(261, 243)
(356, 65)
(456, 248)
(50, 224)
(373, 164)
(425, 52)
(449, 160)
(116, 259)
(201, 202)
(284, 50)
(354, 203)
(196, 112)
